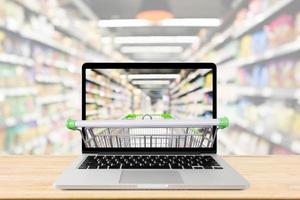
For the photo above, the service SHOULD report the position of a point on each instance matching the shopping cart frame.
(130, 132)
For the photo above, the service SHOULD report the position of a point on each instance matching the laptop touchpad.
(150, 177)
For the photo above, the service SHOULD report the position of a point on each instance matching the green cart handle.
(170, 123)
(71, 124)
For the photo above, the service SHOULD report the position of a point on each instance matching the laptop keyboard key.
(218, 167)
(150, 162)
(197, 167)
(83, 166)
(93, 166)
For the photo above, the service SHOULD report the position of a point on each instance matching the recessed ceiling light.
(148, 82)
(152, 39)
(124, 23)
(192, 22)
(197, 22)
(151, 49)
(151, 76)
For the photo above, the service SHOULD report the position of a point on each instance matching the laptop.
(149, 126)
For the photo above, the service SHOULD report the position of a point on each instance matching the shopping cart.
(148, 131)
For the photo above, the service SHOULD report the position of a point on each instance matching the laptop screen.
(148, 96)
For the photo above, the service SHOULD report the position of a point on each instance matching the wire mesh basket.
(148, 131)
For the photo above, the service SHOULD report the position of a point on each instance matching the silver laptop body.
(223, 177)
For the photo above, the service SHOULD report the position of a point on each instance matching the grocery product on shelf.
(297, 74)
(2, 141)
(280, 150)
(276, 74)
(105, 97)
(38, 80)
(193, 99)
(280, 30)
(246, 42)
(263, 95)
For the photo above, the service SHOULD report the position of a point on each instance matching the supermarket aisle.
(254, 43)
(149, 94)
(184, 93)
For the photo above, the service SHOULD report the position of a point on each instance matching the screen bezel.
(211, 66)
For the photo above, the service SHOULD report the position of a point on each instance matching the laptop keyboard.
(150, 162)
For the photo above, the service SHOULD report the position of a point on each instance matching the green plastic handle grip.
(224, 122)
(71, 124)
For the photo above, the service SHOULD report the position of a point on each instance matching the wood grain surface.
(31, 177)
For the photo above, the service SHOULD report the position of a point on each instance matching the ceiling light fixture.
(197, 22)
(151, 49)
(152, 76)
(150, 82)
(124, 23)
(187, 22)
(153, 39)
(155, 10)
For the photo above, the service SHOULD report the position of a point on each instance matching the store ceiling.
(154, 91)
(128, 9)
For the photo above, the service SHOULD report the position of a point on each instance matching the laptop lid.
(130, 91)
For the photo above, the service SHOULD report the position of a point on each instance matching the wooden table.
(31, 177)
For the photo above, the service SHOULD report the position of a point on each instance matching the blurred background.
(254, 43)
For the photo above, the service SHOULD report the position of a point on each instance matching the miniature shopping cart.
(148, 131)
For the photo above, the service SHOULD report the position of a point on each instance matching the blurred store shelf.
(18, 91)
(286, 49)
(37, 79)
(266, 92)
(281, 139)
(258, 70)
(256, 48)
(260, 19)
(14, 59)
